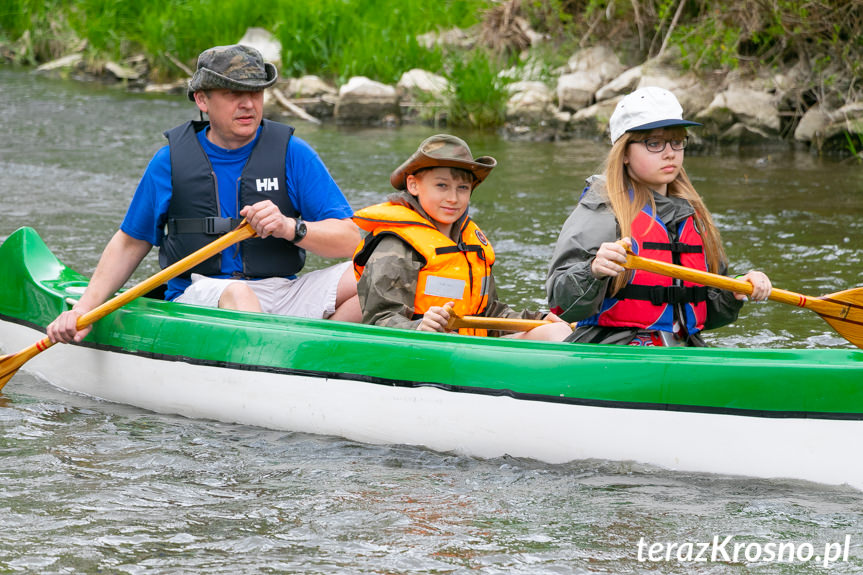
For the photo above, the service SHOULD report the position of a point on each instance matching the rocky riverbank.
(760, 108)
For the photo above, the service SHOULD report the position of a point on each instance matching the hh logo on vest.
(267, 184)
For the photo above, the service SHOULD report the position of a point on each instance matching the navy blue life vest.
(194, 220)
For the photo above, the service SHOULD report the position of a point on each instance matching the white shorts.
(313, 294)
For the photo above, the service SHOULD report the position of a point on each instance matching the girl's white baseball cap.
(646, 109)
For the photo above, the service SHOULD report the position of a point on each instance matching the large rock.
(575, 91)
(422, 84)
(836, 131)
(592, 122)
(741, 134)
(68, 61)
(176, 87)
(267, 44)
(530, 102)
(790, 85)
(586, 72)
(313, 95)
(848, 119)
(599, 59)
(364, 101)
(813, 125)
(693, 92)
(423, 95)
(308, 86)
(530, 68)
(133, 69)
(621, 85)
(756, 110)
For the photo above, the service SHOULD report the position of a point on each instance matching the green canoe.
(758, 412)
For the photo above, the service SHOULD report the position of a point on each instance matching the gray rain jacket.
(571, 286)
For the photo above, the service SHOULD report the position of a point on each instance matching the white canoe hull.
(447, 421)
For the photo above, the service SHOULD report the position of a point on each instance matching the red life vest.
(457, 272)
(648, 301)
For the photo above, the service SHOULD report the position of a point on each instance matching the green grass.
(479, 94)
(336, 39)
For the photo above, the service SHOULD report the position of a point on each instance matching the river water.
(92, 487)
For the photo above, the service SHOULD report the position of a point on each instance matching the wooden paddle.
(9, 364)
(499, 323)
(842, 310)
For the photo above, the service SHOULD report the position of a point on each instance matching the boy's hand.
(436, 318)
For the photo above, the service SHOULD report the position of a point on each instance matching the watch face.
(300, 231)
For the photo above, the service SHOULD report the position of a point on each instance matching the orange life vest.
(648, 301)
(457, 272)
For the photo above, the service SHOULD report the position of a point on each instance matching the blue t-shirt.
(311, 189)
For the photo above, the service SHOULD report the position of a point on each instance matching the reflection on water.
(92, 487)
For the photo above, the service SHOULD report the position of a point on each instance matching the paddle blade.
(844, 312)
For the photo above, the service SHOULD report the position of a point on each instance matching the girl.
(645, 198)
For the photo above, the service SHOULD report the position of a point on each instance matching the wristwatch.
(300, 231)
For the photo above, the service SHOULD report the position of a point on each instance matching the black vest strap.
(659, 295)
(209, 226)
(461, 247)
(673, 247)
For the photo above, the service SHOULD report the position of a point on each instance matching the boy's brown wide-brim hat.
(237, 67)
(443, 151)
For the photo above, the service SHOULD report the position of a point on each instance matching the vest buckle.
(217, 226)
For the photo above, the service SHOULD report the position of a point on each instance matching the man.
(211, 174)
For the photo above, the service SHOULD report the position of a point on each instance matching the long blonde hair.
(618, 185)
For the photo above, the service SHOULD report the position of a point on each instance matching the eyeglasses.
(657, 145)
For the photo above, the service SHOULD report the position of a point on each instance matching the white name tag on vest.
(444, 287)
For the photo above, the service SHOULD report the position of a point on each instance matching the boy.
(424, 256)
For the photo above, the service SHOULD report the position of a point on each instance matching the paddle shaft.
(496, 323)
(243, 232)
(9, 364)
(715, 280)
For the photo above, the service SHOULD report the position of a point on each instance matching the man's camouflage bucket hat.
(443, 151)
(236, 67)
